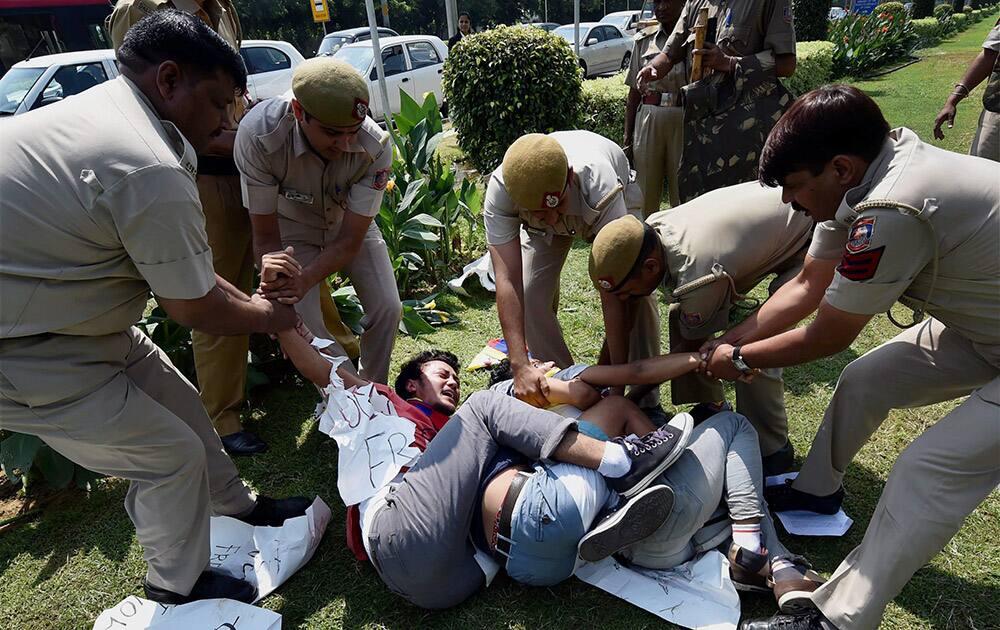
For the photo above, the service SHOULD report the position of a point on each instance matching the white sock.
(615, 461)
(747, 535)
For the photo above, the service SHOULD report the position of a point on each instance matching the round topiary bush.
(895, 9)
(943, 11)
(506, 82)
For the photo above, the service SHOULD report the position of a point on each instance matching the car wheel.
(583, 66)
(626, 60)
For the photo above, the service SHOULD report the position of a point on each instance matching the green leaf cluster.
(863, 43)
(503, 83)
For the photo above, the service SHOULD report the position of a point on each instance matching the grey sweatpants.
(419, 540)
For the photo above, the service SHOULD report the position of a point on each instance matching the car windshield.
(330, 45)
(566, 32)
(360, 57)
(621, 21)
(14, 87)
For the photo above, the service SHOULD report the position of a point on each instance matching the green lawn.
(62, 569)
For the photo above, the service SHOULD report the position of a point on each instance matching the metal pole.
(546, 10)
(576, 26)
(379, 70)
(451, 13)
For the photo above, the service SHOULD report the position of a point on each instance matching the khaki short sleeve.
(779, 27)
(365, 196)
(828, 240)
(993, 39)
(885, 251)
(704, 311)
(159, 220)
(678, 37)
(126, 13)
(257, 181)
(503, 224)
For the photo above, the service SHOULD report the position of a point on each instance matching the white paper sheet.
(697, 594)
(264, 556)
(803, 523)
(482, 268)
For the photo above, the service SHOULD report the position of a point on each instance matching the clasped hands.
(716, 360)
(282, 278)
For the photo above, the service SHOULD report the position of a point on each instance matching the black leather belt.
(506, 512)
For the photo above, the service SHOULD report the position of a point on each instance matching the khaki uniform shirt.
(722, 244)
(648, 43)
(99, 205)
(745, 27)
(219, 14)
(603, 190)
(279, 171)
(887, 255)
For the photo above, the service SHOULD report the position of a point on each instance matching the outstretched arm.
(309, 362)
(652, 371)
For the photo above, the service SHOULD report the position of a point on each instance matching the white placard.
(804, 523)
(697, 594)
(133, 613)
(482, 268)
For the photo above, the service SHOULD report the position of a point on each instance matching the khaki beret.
(615, 251)
(331, 91)
(534, 171)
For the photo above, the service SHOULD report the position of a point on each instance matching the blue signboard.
(864, 7)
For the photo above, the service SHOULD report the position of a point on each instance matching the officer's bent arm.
(784, 65)
(631, 107)
(510, 298)
(789, 305)
(225, 310)
(340, 251)
(619, 317)
(833, 330)
(266, 235)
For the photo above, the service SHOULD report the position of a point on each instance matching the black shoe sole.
(637, 520)
(796, 602)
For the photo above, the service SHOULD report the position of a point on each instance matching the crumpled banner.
(697, 594)
(373, 443)
(263, 556)
(481, 268)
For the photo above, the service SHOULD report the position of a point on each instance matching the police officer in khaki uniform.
(654, 120)
(917, 224)
(113, 215)
(549, 190)
(986, 142)
(314, 167)
(706, 255)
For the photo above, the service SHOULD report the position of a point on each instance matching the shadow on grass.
(803, 379)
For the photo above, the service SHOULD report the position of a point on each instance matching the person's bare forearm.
(510, 308)
(266, 235)
(619, 317)
(631, 107)
(977, 71)
(334, 257)
(650, 371)
(227, 311)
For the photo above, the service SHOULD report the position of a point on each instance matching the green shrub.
(960, 21)
(812, 19)
(928, 31)
(942, 11)
(922, 8)
(893, 8)
(506, 82)
(866, 42)
(603, 110)
(813, 68)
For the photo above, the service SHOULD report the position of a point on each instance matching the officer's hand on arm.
(336, 255)
(531, 385)
(277, 267)
(225, 310)
(713, 57)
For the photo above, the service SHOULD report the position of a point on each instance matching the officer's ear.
(300, 113)
(169, 77)
(848, 170)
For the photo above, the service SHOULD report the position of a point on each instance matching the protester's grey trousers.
(419, 540)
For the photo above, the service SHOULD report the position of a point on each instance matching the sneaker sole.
(688, 425)
(795, 602)
(637, 520)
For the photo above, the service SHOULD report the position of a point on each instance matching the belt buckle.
(666, 99)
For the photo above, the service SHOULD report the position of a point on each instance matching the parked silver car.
(603, 47)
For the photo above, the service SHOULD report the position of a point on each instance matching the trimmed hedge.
(604, 106)
(928, 31)
(506, 82)
(960, 21)
(813, 68)
(943, 11)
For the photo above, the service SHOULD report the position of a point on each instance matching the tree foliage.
(811, 20)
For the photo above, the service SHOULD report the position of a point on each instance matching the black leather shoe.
(273, 512)
(809, 621)
(780, 461)
(243, 443)
(783, 498)
(211, 584)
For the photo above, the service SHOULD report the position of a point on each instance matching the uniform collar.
(186, 156)
(899, 141)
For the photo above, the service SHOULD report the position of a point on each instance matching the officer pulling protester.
(706, 255)
(916, 224)
(654, 119)
(104, 184)
(313, 168)
(549, 190)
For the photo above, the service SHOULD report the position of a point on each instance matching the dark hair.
(649, 241)
(411, 370)
(500, 372)
(465, 14)
(172, 35)
(829, 121)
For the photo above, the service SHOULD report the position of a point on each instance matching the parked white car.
(37, 82)
(412, 63)
(603, 47)
(626, 21)
(270, 64)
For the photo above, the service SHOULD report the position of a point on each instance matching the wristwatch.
(738, 361)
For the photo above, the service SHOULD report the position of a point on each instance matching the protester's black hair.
(411, 370)
(500, 372)
(821, 124)
(465, 14)
(172, 35)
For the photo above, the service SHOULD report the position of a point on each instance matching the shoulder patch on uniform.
(787, 13)
(862, 265)
(861, 235)
(381, 178)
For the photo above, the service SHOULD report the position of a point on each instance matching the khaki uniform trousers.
(115, 405)
(372, 277)
(762, 401)
(221, 362)
(542, 265)
(657, 148)
(937, 481)
(986, 142)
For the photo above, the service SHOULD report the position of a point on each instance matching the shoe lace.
(648, 442)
